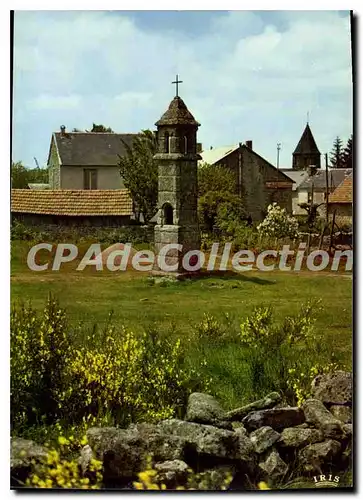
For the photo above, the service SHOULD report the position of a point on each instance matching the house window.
(185, 144)
(90, 178)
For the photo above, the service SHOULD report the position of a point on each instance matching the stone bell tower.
(177, 218)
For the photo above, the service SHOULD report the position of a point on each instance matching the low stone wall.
(261, 441)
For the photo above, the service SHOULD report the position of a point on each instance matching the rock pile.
(258, 442)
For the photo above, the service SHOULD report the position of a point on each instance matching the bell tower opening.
(166, 142)
(185, 144)
(168, 214)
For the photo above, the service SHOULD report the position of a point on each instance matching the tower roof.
(177, 114)
(307, 144)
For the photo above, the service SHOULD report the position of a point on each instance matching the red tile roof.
(344, 192)
(72, 202)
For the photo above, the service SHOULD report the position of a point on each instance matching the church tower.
(306, 152)
(177, 218)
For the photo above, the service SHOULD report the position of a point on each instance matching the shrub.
(40, 351)
(118, 374)
(134, 234)
(278, 223)
(61, 469)
(276, 352)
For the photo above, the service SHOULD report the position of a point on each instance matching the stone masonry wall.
(261, 441)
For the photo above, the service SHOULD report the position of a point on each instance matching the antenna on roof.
(307, 117)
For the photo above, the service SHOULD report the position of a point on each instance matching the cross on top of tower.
(177, 85)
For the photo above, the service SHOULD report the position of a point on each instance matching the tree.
(22, 176)
(219, 207)
(348, 153)
(337, 154)
(101, 128)
(139, 171)
(19, 176)
(215, 178)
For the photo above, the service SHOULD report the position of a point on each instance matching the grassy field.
(89, 296)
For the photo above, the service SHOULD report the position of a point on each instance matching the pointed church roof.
(177, 114)
(307, 144)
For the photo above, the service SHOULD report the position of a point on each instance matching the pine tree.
(337, 154)
(348, 153)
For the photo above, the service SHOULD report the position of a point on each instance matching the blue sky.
(246, 75)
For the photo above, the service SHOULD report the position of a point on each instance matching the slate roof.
(177, 114)
(344, 192)
(307, 144)
(297, 176)
(72, 203)
(335, 177)
(215, 155)
(91, 148)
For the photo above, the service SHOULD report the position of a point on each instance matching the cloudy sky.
(246, 75)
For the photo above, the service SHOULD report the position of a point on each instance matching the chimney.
(249, 144)
(63, 129)
(199, 147)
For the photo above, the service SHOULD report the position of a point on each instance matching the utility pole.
(327, 187)
(278, 155)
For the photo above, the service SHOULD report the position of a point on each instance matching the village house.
(86, 160)
(341, 202)
(258, 182)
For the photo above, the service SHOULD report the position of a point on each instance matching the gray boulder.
(268, 401)
(277, 418)
(204, 409)
(209, 440)
(316, 413)
(333, 388)
(172, 473)
(23, 452)
(315, 456)
(84, 460)
(263, 438)
(348, 429)
(124, 452)
(273, 466)
(342, 413)
(293, 437)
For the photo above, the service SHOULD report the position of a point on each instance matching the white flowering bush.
(278, 223)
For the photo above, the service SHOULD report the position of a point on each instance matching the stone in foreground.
(204, 409)
(268, 401)
(263, 438)
(277, 418)
(316, 413)
(293, 437)
(273, 465)
(314, 457)
(333, 388)
(22, 453)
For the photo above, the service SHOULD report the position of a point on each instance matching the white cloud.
(51, 102)
(245, 78)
